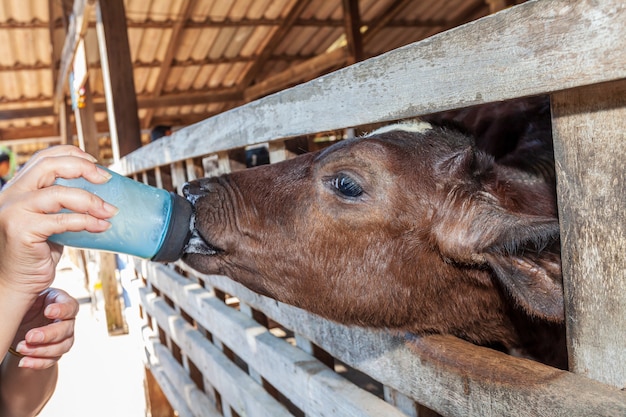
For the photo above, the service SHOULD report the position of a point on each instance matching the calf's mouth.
(197, 244)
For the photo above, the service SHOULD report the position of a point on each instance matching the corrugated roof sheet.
(218, 52)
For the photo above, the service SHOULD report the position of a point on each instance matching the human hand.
(47, 330)
(29, 214)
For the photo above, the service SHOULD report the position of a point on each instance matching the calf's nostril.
(186, 187)
(193, 189)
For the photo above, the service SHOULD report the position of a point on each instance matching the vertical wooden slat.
(278, 152)
(590, 153)
(178, 176)
(158, 177)
(191, 169)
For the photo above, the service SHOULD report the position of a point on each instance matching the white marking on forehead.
(415, 126)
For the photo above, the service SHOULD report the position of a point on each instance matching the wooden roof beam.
(352, 22)
(177, 30)
(275, 40)
(313, 67)
(304, 71)
(383, 21)
(170, 100)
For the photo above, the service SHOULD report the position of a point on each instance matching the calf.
(409, 228)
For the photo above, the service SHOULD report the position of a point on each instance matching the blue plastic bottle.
(152, 223)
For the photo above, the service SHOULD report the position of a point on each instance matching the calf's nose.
(193, 190)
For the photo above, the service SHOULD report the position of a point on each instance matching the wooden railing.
(217, 348)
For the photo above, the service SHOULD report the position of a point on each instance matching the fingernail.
(34, 336)
(105, 174)
(110, 208)
(103, 223)
(52, 311)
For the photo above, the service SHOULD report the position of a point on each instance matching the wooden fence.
(216, 348)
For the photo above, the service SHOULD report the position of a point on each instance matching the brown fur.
(442, 239)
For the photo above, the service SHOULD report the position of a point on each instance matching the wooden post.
(117, 74)
(156, 401)
(112, 306)
(590, 154)
(65, 125)
(86, 125)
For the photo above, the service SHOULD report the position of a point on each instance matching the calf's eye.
(346, 185)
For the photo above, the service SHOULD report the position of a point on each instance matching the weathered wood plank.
(195, 399)
(590, 150)
(243, 394)
(448, 375)
(166, 385)
(310, 385)
(535, 48)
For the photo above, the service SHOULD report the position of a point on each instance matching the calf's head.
(409, 228)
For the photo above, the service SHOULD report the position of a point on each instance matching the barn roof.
(192, 59)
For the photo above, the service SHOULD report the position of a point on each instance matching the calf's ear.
(480, 232)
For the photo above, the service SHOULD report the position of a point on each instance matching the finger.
(37, 363)
(55, 198)
(45, 170)
(62, 311)
(50, 350)
(55, 332)
(62, 306)
(55, 151)
(61, 150)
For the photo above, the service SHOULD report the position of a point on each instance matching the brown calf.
(410, 228)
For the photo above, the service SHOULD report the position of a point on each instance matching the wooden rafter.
(215, 95)
(275, 40)
(313, 67)
(352, 22)
(227, 23)
(384, 20)
(177, 30)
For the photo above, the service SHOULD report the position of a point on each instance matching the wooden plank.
(310, 385)
(165, 383)
(156, 401)
(589, 139)
(278, 151)
(448, 375)
(241, 392)
(517, 52)
(26, 113)
(178, 176)
(198, 402)
(118, 79)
